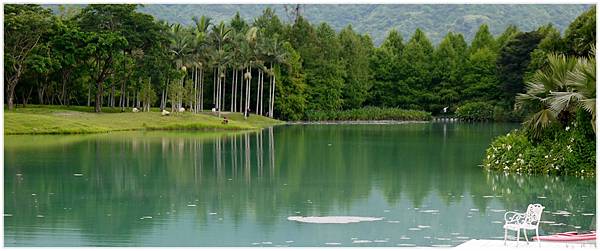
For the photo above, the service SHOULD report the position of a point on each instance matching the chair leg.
(518, 236)
(525, 233)
(538, 237)
(505, 236)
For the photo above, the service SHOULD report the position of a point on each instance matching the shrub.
(475, 111)
(562, 151)
(368, 113)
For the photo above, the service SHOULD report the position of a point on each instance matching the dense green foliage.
(562, 151)
(369, 113)
(475, 111)
(285, 69)
(559, 101)
(435, 20)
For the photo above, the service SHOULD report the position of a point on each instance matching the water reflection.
(211, 189)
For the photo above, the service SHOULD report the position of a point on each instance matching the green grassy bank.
(78, 119)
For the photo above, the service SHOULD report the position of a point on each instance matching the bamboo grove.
(114, 56)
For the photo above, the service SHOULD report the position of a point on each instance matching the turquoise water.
(237, 189)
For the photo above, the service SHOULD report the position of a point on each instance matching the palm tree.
(555, 93)
(275, 55)
(182, 51)
(236, 65)
(221, 34)
(250, 54)
(201, 59)
(583, 81)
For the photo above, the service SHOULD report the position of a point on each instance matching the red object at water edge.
(568, 236)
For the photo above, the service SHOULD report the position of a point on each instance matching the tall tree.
(105, 26)
(483, 38)
(581, 33)
(355, 51)
(24, 28)
(513, 61)
(417, 57)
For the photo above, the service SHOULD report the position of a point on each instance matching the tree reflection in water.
(423, 174)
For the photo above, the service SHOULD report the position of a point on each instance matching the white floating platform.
(512, 245)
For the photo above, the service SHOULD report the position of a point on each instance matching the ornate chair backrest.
(533, 214)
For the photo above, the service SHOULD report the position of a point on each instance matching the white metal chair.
(529, 220)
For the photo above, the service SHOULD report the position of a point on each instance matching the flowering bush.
(563, 151)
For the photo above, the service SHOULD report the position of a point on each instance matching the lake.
(238, 189)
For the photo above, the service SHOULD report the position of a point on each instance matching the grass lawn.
(79, 119)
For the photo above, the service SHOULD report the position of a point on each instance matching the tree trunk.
(202, 89)
(112, 96)
(272, 95)
(89, 93)
(248, 89)
(122, 97)
(262, 91)
(215, 88)
(11, 95)
(242, 91)
(98, 105)
(224, 84)
(232, 89)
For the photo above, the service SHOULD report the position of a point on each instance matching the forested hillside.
(377, 20)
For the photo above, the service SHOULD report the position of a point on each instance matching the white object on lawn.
(530, 220)
(165, 113)
(332, 219)
(181, 109)
(135, 110)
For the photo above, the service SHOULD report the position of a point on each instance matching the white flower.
(567, 128)
(509, 147)
(505, 167)
(546, 156)
(496, 162)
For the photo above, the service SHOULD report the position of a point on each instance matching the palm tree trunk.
(262, 92)
(201, 88)
(224, 84)
(192, 96)
(232, 89)
(257, 91)
(247, 106)
(272, 108)
(215, 88)
(242, 90)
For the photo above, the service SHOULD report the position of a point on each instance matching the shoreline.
(358, 122)
(45, 120)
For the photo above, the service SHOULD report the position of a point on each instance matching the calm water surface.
(209, 189)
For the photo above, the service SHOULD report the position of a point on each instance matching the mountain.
(434, 19)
